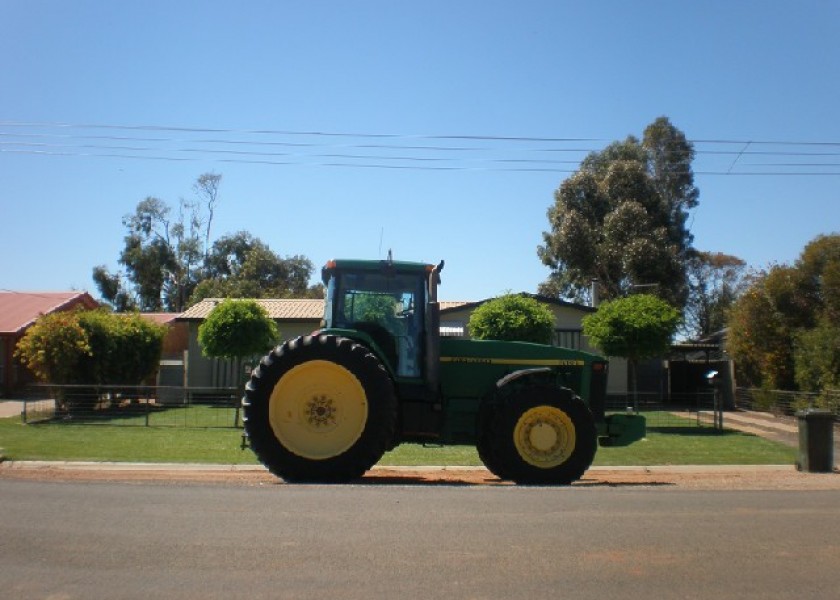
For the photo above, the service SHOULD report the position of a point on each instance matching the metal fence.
(668, 412)
(138, 406)
(159, 406)
(780, 402)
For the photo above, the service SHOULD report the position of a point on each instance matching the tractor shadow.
(477, 480)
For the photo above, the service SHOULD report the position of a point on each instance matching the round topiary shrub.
(514, 318)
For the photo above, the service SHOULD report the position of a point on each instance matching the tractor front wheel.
(320, 409)
(543, 436)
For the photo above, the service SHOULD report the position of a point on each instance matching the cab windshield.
(388, 307)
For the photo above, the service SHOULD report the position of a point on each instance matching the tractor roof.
(389, 266)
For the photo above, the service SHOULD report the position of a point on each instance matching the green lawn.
(121, 443)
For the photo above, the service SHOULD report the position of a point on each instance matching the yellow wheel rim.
(544, 437)
(318, 410)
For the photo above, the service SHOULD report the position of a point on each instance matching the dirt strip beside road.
(680, 477)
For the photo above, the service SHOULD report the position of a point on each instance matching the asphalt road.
(126, 540)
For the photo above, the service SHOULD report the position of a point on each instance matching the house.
(18, 311)
(300, 317)
(174, 352)
(177, 334)
(294, 317)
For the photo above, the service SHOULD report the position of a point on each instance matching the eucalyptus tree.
(621, 218)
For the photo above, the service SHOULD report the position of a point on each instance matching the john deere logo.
(551, 362)
(466, 359)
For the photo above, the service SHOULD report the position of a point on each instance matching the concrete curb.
(198, 467)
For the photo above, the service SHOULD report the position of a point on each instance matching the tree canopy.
(621, 219)
(237, 329)
(715, 281)
(784, 331)
(52, 347)
(170, 262)
(513, 317)
(92, 347)
(636, 327)
(241, 266)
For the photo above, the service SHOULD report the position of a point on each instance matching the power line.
(387, 135)
(384, 150)
(215, 141)
(62, 125)
(255, 161)
(291, 132)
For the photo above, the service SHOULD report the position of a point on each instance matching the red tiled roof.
(18, 310)
(160, 318)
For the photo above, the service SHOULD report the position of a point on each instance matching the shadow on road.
(469, 480)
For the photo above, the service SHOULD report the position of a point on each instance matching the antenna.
(381, 233)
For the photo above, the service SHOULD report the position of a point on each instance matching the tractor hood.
(512, 354)
(473, 368)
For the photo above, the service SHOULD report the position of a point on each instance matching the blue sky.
(465, 115)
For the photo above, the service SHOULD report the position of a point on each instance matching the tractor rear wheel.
(543, 435)
(320, 409)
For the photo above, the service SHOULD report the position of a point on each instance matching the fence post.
(236, 406)
(718, 409)
(715, 380)
(148, 407)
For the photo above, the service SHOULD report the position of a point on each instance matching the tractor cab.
(385, 304)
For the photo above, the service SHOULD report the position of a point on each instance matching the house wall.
(176, 340)
(221, 372)
(6, 345)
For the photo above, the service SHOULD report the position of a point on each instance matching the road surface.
(109, 539)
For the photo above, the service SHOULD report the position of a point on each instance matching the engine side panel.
(471, 369)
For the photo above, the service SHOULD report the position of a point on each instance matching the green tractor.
(326, 406)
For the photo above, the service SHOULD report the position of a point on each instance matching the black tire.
(486, 443)
(382, 337)
(541, 436)
(320, 409)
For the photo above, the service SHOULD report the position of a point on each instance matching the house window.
(567, 338)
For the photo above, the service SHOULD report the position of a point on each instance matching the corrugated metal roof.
(18, 310)
(449, 304)
(290, 309)
(444, 306)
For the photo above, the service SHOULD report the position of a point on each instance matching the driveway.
(10, 408)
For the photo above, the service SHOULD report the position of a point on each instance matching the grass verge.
(120, 443)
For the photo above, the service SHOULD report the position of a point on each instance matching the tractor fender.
(365, 339)
(519, 374)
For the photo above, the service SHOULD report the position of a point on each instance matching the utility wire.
(48, 124)
(343, 149)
